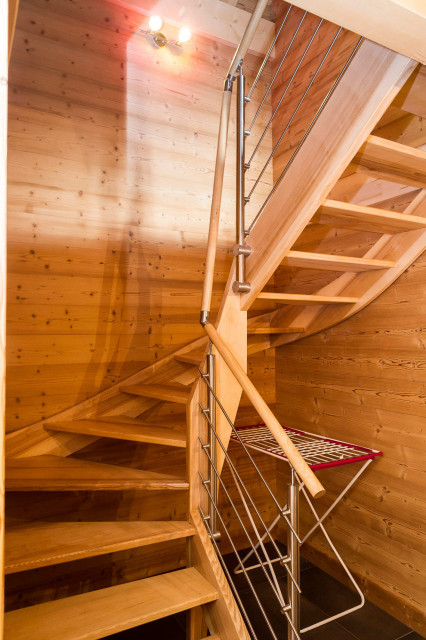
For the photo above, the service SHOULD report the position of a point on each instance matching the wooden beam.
(308, 260)
(211, 18)
(354, 216)
(363, 94)
(399, 25)
(392, 161)
(412, 97)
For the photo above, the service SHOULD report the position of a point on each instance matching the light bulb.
(155, 23)
(184, 35)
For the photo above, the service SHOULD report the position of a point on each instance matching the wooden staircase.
(158, 406)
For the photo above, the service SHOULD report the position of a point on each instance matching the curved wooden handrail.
(295, 458)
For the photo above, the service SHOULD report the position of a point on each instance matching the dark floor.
(323, 596)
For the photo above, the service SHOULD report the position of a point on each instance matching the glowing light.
(155, 23)
(184, 35)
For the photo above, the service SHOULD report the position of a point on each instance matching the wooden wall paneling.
(4, 60)
(99, 223)
(363, 381)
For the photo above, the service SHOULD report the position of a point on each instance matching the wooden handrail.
(295, 458)
(248, 36)
(221, 154)
(216, 202)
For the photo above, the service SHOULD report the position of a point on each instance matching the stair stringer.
(366, 90)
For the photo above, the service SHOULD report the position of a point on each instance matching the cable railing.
(301, 38)
(256, 532)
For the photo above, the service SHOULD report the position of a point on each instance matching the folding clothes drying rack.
(320, 453)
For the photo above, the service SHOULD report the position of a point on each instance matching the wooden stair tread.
(190, 358)
(165, 392)
(305, 299)
(392, 161)
(266, 330)
(53, 473)
(41, 544)
(122, 429)
(361, 218)
(305, 259)
(97, 614)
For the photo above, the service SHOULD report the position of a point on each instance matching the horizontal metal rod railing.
(302, 469)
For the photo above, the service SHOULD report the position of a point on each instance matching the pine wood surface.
(97, 614)
(363, 381)
(112, 270)
(123, 429)
(53, 473)
(40, 544)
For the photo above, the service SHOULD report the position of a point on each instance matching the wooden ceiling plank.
(399, 25)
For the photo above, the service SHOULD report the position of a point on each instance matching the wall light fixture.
(159, 39)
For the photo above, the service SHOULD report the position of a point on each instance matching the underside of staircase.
(316, 259)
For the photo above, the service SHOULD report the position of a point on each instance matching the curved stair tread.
(122, 429)
(41, 544)
(165, 392)
(97, 614)
(53, 473)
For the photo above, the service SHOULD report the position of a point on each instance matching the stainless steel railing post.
(240, 250)
(293, 552)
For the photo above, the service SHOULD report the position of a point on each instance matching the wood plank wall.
(112, 147)
(364, 381)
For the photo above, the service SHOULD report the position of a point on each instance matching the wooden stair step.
(304, 299)
(166, 392)
(53, 473)
(305, 259)
(346, 215)
(388, 160)
(280, 330)
(190, 358)
(41, 544)
(122, 429)
(100, 613)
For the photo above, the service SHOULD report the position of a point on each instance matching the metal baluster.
(240, 250)
(211, 411)
(293, 552)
